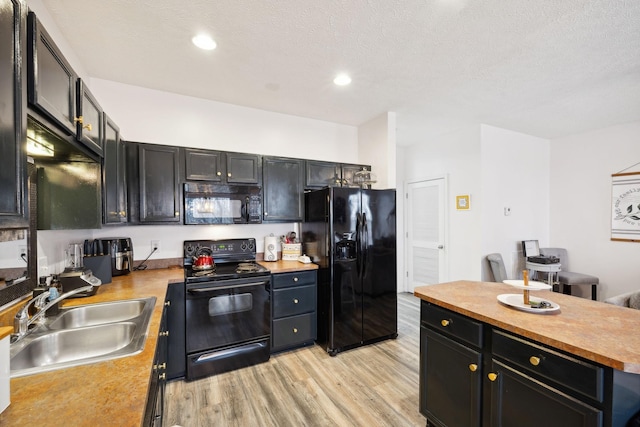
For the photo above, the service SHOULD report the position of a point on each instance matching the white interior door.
(426, 233)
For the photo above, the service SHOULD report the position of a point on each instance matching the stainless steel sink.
(97, 314)
(82, 335)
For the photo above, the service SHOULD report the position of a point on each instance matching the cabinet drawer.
(296, 300)
(284, 280)
(294, 330)
(452, 324)
(550, 365)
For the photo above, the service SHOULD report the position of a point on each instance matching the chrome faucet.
(21, 321)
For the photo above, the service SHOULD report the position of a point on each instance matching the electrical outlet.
(155, 245)
(22, 253)
(507, 211)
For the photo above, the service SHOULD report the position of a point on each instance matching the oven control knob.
(251, 245)
(243, 246)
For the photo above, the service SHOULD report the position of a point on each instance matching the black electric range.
(233, 259)
(227, 308)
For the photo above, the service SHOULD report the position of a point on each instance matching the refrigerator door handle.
(358, 244)
(365, 241)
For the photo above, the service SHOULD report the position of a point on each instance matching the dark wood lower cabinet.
(293, 309)
(474, 374)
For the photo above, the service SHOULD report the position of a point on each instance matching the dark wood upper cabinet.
(328, 174)
(89, 122)
(114, 189)
(159, 183)
(244, 168)
(51, 80)
(283, 191)
(322, 174)
(222, 167)
(13, 175)
(204, 165)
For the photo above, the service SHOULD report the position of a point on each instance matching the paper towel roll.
(270, 248)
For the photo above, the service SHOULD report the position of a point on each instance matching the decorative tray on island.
(535, 304)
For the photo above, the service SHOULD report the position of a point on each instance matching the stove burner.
(247, 267)
(203, 273)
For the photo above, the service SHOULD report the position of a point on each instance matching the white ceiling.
(548, 68)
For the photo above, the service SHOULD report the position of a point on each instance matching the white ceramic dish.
(517, 301)
(533, 286)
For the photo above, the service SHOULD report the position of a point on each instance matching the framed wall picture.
(463, 203)
(625, 207)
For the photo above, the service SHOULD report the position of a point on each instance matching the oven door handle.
(219, 288)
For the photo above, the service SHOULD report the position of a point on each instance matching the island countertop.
(600, 332)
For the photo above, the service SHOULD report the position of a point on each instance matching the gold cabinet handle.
(176, 213)
(87, 127)
(229, 174)
(122, 213)
(295, 279)
(473, 367)
(445, 322)
(337, 181)
(163, 366)
(295, 300)
(164, 334)
(266, 214)
(162, 376)
(78, 119)
(535, 361)
(295, 330)
(219, 173)
(492, 376)
(167, 303)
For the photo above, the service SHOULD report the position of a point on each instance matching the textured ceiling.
(548, 68)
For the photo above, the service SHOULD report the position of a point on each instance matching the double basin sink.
(82, 335)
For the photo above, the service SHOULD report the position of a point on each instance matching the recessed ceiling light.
(204, 41)
(342, 80)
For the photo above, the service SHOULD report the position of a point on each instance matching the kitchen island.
(490, 364)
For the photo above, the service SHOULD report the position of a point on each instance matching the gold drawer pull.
(229, 174)
(473, 367)
(295, 330)
(163, 366)
(218, 173)
(162, 376)
(492, 376)
(164, 333)
(445, 322)
(167, 303)
(535, 361)
(295, 300)
(87, 127)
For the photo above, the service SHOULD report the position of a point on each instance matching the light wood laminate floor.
(375, 385)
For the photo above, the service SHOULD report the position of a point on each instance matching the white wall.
(455, 156)
(515, 174)
(377, 147)
(581, 168)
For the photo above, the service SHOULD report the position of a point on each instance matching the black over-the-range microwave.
(222, 204)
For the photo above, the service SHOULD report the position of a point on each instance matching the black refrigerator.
(351, 234)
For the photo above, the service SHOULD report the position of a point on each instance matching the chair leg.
(594, 292)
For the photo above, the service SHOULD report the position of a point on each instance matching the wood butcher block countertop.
(111, 393)
(604, 333)
(5, 330)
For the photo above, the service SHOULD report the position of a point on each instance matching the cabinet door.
(158, 170)
(243, 168)
(52, 81)
(175, 308)
(89, 120)
(450, 381)
(114, 190)
(322, 174)
(283, 191)
(519, 400)
(204, 165)
(13, 209)
(348, 173)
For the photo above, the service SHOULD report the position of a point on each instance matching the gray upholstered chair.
(566, 278)
(629, 299)
(497, 267)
